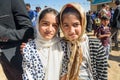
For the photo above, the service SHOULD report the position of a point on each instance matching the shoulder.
(62, 41)
(100, 28)
(96, 46)
(29, 47)
(94, 42)
(64, 45)
(30, 43)
(117, 9)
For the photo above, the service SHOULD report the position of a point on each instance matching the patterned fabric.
(32, 65)
(102, 31)
(98, 60)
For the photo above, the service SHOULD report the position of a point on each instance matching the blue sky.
(57, 4)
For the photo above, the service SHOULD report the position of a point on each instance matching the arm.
(26, 64)
(101, 63)
(65, 61)
(63, 77)
(23, 27)
(104, 35)
(22, 46)
(21, 17)
(100, 35)
(115, 17)
(64, 67)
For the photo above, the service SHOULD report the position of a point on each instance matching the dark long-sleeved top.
(15, 27)
(116, 18)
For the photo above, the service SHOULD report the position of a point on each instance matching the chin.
(73, 38)
(48, 38)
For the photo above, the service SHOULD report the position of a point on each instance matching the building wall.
(98, 7)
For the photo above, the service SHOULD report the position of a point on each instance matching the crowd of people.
(94, 21)
(30, 48)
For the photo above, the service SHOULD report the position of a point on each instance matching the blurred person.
(104, 33)
(97, 23)
(104, 11)
(108, 11)
(111, 19)
(32, 14)
(15, 28)
(38, 9)
(116, 24)
(89, 21)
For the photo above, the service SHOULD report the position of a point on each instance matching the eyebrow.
(49, 22)
(44, 21)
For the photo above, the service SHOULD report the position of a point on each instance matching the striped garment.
(98, 60)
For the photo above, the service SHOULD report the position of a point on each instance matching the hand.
(21, 47)
(63, 77)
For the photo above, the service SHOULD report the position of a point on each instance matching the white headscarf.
(54, 54)
(40, 39)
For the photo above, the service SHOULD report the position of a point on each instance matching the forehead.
(105, 20)
(49, 15)
(51, 18)
(70, 15)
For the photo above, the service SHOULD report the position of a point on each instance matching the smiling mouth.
(72, 35)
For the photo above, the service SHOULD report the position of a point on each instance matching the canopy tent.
(96, 2)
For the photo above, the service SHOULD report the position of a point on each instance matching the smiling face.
(48, 26)
(71, 26)
(105, 22)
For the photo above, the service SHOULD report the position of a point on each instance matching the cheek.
(41, 30)
(54, 30)
(78, 31)
(65, 31)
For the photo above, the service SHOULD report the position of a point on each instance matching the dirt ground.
(114, 62)
(114, 65)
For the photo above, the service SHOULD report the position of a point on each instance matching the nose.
(49, 27)
(71, 29)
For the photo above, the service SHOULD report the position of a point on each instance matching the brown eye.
(65, 26)
(45, 24)
(55, 25)
(76, 24)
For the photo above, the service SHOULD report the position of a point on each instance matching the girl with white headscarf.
(42, 56)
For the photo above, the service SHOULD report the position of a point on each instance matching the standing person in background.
(89, 21)
(38, 9)
(103, 11)
(108, 11)
(97, 23)
(32, 14)
(103, 33)
(85, 58)
(15, 28)
(116, 23)
(111, 19)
